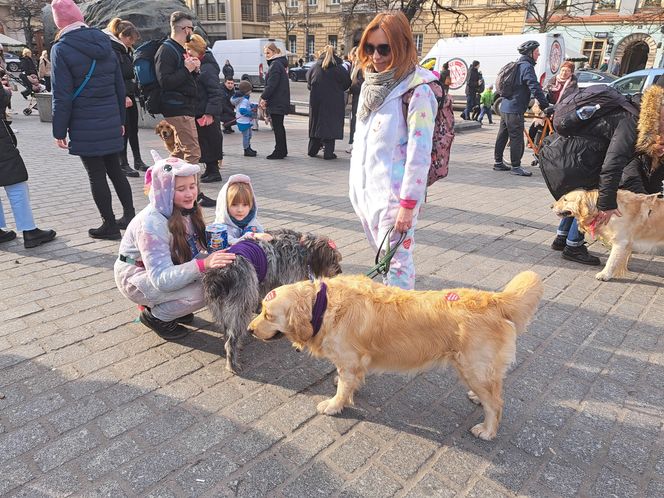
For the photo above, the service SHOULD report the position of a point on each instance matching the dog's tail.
(519, 299)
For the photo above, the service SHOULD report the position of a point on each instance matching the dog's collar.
(320, 305)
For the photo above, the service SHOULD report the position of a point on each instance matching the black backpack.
(149, 90)
(506, 81)
(567, 123)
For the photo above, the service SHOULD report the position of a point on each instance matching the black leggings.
(100, 166)
(131, 131)
(280, 147)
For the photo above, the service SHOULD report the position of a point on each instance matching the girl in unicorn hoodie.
(162, 255)
(237, 212)
(392, 144)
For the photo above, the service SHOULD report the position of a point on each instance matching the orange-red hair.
(400, 38)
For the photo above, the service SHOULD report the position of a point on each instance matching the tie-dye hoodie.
(223, 217)
(148, 239)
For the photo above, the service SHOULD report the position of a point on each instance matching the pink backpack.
(443, 132)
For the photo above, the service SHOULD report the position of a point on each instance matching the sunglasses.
(382, 49)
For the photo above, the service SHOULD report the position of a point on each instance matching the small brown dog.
(640, 228)
(167, 134)
(362, 326)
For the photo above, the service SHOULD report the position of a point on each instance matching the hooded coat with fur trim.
(95, 118)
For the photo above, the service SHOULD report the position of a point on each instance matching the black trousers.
(315, 145)
(511, 128)
(280, 147)
(98, 168)
(131, 131)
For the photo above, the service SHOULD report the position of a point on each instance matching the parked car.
(13, 62)
(637, 81)
(298, 73)
(588, 77)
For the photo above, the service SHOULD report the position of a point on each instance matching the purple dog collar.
(320, 305)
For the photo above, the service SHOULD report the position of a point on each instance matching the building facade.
(306, 26)
(626, 35)
(232, 19)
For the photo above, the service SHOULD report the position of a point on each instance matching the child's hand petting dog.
(263, 236)
(218, 259)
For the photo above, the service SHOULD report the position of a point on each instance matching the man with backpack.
(516, 87)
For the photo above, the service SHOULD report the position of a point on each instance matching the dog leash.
(382, 266)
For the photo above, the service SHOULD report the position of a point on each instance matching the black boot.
(7, 235)
(124, 166)
(166, 330)
(249, 152)
(35, 237)
(559, 243)
(211, 173)
(580, 255)
(187, 319)
(109, 230)
(123, 222)
(139, 165)
(204, 201)
(500, 166)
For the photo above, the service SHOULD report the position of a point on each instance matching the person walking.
(208, 109)
(327, 80)
(471, 89)
(89, 108)
(486, 102)
(392, 149)
(124, 35)
(228, 70)
(176, 72)
(276, 97)
(356, 80)
(513, 108)
(44, 71)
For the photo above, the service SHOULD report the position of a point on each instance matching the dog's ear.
(299, 313)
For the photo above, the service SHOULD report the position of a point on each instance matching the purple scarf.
(254, 254)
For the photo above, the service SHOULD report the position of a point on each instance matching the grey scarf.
(375, 89)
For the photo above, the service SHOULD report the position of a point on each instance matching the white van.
(246, 57)
(493, 52)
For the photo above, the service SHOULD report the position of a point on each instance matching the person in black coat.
(471, 89)
(327, 81)
(124, 35)
(28, 67)
(208, 109)
(276, 97)
(227, 108)
(228, 70)
(14, 178)
(356, 81)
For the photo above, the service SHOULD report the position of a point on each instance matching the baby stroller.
(32, 85)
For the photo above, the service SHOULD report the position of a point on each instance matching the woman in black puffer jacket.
(276, 97)
(208, 109)
(124, 35)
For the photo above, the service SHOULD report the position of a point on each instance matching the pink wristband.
(201, 265)
(408, 203)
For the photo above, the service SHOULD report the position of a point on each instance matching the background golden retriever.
(640, 228)
(167, 134)
(369, 327)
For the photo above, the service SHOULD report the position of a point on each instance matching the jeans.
(19, 200)
(280, 147)
(511, 128)
(100, 166)
(570, 228)
(486, 109)
(470, 103)
(246, 138)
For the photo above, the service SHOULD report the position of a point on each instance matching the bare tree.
(286, 18)
(25, 12)
(544, 15)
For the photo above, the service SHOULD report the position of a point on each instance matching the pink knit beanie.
(65, 12)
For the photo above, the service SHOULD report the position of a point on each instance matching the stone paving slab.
(93, 404)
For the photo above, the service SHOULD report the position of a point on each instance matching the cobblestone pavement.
(94, 404)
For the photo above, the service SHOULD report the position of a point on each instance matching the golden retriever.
(640, 228)
(368, 327)
(167, 134)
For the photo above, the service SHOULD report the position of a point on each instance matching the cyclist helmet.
(528, 47)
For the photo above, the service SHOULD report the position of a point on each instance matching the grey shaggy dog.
(233, 293)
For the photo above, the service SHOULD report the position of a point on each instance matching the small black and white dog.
(234, 293)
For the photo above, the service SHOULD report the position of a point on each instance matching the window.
(605, 4)
(594, 50)
(201, 12)
(650, 3)
(418, 39)
(247, 9)
(212, 10)
(294, 4)
(335, 2)
(332, 40)
(312, 3)
(560, 4)
(221, 10)
(292, 44)
(262, 11)
(630, 85)
(311, 46)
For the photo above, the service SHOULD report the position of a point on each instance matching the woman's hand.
(603, 217)
(219, 259)
(404, 220)
(263, 236)
(128, 102)
(62, 143)
(263, 103)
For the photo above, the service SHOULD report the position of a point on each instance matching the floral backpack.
(443, 131)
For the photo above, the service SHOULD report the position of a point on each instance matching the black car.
(298, 73)
(588, 77)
